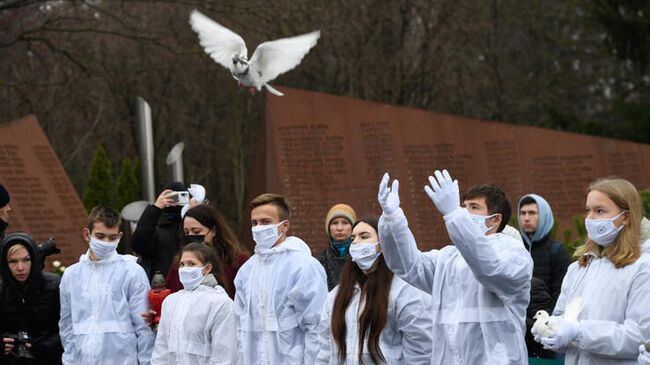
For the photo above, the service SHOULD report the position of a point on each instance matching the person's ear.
(626, 218)
(207, 269)
(85, 233)
(497, 219)
(284, 227)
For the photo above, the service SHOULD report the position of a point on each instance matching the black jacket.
(32, 306)
(540, 299)
(551, 260)
(155, 239)
(333, 265)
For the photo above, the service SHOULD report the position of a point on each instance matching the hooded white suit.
(280, 294)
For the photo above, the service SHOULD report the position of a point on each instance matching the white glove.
(565, 332)
(443, 192)
(644, 356)
(388, 197)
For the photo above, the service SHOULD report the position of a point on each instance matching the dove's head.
(541, 314)
(239, 66)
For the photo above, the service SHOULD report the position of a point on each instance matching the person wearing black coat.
(29, 302)
(156, 235)
(540, 299)
(550, 257)
(5, 208)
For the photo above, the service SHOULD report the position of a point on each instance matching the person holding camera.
(29, 305)
(156, 237)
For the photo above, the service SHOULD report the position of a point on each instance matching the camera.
(48, 248)
(180, 197)
(20, 341)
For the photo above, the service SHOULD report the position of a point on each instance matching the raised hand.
(443, 192)
(388, 197)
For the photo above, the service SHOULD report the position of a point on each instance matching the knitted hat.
(339, 210)
(4, 196)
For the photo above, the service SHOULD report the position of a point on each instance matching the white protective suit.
(101, 303)
(278, 302)
(196, 327)
(480, 289)
(406, 339)
(616, 316)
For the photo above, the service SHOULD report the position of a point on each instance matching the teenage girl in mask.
(197, 325)
(204, 223)
(611, 279)
(373, 317)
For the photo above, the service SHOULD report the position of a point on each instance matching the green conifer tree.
(127, 184)
(99, 188)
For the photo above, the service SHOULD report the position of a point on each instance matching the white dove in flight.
(544, 325)
(269, 60)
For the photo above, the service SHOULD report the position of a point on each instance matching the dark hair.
(207, 255)
(225, 241)
(527, 200)
(279, 201)
(375, 291)
(107, 215)
(495, 198)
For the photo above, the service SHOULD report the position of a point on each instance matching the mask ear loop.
(280, 225)
(619, 215)
(490, 217)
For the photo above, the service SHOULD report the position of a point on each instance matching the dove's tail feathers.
(573, 309)
(273, 91)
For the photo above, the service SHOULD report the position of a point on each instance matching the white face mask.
(603, 231)
(364, 254)
(103, 249)
(479, 221)
(191, 277)
(265, 236)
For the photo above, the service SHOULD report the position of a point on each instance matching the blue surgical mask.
(603, 231)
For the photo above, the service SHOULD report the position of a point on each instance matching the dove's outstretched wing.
(273, 58)
(219, 42)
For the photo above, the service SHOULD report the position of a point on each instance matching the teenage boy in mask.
(280, 291)
(479, 285)
(102, 297)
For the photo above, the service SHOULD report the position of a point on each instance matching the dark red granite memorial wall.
(44, 202)
(322, 149)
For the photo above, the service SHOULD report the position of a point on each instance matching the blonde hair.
(626, 249)
(15, 248)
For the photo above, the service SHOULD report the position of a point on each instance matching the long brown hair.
(375, 290)
(225, 241)
(626, 249)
